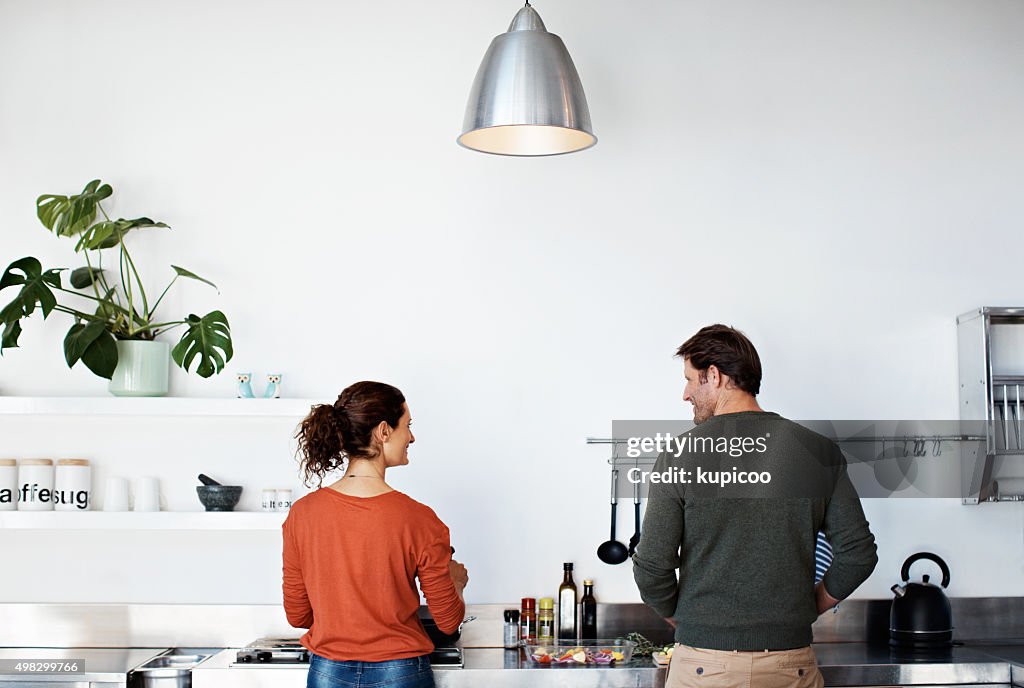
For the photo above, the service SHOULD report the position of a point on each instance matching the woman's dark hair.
(727, 349)
(332, 434)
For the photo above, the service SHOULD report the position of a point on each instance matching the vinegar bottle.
(588, 612)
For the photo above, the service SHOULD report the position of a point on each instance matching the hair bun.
(340, 416)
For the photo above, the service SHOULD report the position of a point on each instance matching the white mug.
(147, 494)
(116, 497)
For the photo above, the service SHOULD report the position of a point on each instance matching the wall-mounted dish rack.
(991, 354)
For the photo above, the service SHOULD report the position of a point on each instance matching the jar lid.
(547, 603)
(8, 462)
(529, 603)
(72, 462)
(37, 462)
(587, 581)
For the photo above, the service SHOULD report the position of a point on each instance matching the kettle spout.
(899, 590)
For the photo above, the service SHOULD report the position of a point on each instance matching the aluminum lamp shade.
(527, 98)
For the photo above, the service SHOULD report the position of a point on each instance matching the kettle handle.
(905, 571)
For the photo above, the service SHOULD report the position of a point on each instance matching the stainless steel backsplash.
(159, 625)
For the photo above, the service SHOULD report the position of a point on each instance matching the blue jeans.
(413, 672)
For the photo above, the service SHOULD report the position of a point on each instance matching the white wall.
(840, 180)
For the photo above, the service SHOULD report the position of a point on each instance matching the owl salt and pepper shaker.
(273, 390)
(244, 385)
(245, 391)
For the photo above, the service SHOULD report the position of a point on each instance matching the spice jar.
(528, 621)
(511, 629)
(546, 620)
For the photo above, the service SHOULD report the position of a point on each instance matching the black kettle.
(921, 616)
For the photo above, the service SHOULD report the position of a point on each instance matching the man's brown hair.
(727, 349)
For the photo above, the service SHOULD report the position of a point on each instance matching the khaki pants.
(692, 667)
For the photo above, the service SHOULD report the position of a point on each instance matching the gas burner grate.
(290, 651)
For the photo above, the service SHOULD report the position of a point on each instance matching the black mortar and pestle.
(217, 497)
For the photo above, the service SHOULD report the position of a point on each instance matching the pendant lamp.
(527, 98)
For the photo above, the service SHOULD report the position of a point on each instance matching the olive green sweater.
(745, 553)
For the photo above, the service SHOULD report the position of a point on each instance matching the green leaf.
(35, 288)
(101, 355)
(182, 272)
(82, 278)
(207, 338)
(110, 233)
(11, 312)
(70, 215)
(9, 339)
(93, 345)
(35, 291)
(79, 338)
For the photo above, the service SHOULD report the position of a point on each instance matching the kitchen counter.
(859, 664)
(103, 667)
(992, 628)
(842, 664)
(1014, 654)
(493, 667)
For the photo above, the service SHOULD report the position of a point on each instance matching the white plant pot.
(142, 369)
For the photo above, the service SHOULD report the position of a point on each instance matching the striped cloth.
(822, 557)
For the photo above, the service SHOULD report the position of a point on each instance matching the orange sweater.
(350, 570)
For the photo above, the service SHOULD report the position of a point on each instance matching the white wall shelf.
(130, 520)
(154, 406)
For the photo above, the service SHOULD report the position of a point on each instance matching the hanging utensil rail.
(919, 442)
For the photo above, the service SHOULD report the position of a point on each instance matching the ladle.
(613, 551)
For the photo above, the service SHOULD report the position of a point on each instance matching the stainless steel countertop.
(842, 664)
(101, 665)
(859, 664)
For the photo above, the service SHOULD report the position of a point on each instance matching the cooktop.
(285, 651)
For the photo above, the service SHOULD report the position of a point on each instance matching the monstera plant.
(107, 303)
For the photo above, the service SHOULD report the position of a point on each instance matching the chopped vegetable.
(579, 655)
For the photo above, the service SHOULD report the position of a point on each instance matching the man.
(745, 599)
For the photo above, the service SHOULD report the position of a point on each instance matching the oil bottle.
(568, 614)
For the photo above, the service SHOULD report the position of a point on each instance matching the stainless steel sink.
(172, 669)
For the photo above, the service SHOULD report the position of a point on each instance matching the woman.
(354, 549)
